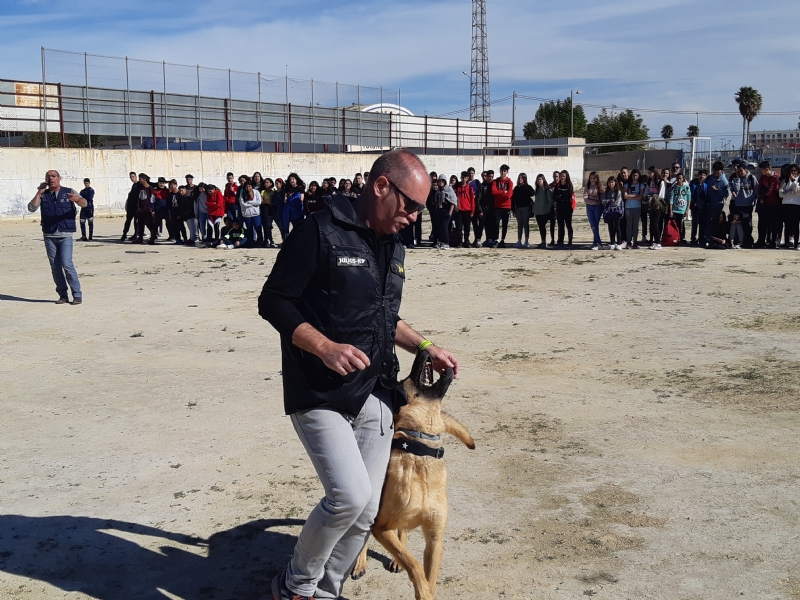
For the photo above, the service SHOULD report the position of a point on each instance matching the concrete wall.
(22, 169)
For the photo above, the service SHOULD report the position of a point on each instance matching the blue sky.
(671, 54)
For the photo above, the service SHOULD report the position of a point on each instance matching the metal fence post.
(313, 122)
(287, 135)
(228, 136)
(259, 114)
(88, 110)
(358, 102)
(399, 115)
(336, 129)
(128, 112)
(199, 115)
(381, 122)
(44, 96)
(426, 134)
(164, 102)
(457, 120)
(61, 117)
(289, 107)
(153, 118)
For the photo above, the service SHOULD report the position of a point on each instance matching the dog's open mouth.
(422, 376)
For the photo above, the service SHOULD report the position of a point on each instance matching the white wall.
(22, 169)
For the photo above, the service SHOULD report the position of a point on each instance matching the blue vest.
(58, 213)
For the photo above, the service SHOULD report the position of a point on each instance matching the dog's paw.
(356, 574)
(395, 567)
(360, 568)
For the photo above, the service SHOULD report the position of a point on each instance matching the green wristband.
(424, 344)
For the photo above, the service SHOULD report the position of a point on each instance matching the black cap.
(764, 164)
(162, 180)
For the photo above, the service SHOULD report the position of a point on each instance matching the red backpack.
(672, 234)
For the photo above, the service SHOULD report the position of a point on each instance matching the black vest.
(347, 301)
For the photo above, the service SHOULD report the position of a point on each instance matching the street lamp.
(572, 113)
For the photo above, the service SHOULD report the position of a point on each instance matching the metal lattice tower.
(479, 104)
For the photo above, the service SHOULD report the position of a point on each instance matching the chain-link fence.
(115, 102)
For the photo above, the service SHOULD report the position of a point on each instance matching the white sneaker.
(622, 246)
(737, 247)
(655, 247)
(445, 247)
(616, 247)
(595, 247)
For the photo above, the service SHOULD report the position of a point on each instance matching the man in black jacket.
(334, 295)
(130, 207)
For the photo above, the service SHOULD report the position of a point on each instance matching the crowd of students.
(241, 214)
(639, 209)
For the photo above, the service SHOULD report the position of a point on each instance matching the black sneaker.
(62, 300)
(281, 592)
(76, 301)
(501, 244)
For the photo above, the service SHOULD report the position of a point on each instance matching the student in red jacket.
(768, 207)
(502, 188)
(466, 208)
(215, 202)
(230, 196)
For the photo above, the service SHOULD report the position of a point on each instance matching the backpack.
(672, 234)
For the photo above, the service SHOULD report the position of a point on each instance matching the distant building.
(785, 138)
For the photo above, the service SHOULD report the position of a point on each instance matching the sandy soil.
(636, 415)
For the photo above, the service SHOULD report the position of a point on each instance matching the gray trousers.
(350, 456)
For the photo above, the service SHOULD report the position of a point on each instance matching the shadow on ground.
(88, 555)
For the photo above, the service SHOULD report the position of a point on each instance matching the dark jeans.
(160, 219)
(176, 229)
(656, 226)
(59, 253)
(490, 225)
(477, 226)
(462, 226)
(542, 221)
(501, 215)
(130, 217)
(145, 219)
(443, 227)
(644, 218)
(791, 215)
(614, 231)
(564, 218)
(769, 224)
(253, 225)
(679, 222)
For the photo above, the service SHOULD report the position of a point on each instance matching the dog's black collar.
(416, 448)
(421, 435)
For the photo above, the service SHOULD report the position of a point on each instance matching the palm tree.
(693, 131)
(667, 132)
(749, 101)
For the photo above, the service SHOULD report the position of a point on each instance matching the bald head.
(398, 183)
(402, 167)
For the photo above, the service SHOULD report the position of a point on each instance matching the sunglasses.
(409, 206)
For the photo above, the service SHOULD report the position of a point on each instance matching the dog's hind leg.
(390, 541)
(457, 430)
(360, 568)
(402, 536)
(434, 546)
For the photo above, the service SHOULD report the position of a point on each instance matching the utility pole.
(479, 102)
(572, 113)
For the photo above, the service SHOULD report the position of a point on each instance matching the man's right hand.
(343, 358)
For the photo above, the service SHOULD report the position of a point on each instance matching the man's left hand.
(442, 359)
(73, 197)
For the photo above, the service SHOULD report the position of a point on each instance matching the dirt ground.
(636, 415)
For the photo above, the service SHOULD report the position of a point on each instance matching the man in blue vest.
(58, 225)
(334, 296)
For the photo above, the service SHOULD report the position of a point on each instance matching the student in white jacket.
(790, 209)
(250, 201)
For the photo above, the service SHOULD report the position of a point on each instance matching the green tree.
(692, 131)
(552, 121)
(749, 101)
(74, 140)
(667, 132)
(611, 126)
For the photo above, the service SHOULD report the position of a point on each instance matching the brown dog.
(415, 491)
